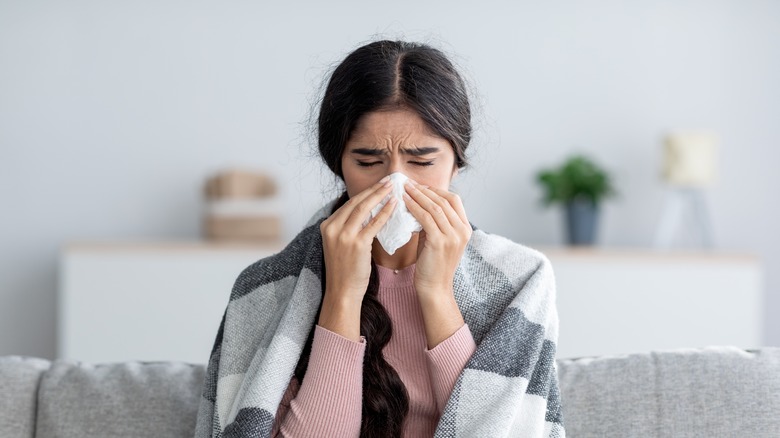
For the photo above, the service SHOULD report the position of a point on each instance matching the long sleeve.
(446, 361)
(509, 385)
(329, 401)
(429, 375)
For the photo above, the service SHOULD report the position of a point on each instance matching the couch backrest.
(704, 392)
(19, 379)
(119, 399)
(76, 399)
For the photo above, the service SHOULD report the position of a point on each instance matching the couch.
(697, 392)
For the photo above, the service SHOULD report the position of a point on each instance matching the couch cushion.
(713, 391)
(127, 399)
(19, 378)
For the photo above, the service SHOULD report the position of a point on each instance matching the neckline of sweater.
(394, 278)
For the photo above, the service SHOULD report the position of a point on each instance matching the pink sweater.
(329, 403)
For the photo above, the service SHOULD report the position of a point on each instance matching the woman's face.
(384, 142)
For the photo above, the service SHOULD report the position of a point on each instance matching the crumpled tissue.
(398, 229)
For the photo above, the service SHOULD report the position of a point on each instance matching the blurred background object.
(580, 186)
(690, 165)
(242, 206)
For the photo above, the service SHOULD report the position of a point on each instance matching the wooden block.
(267, 228)
(239, 184)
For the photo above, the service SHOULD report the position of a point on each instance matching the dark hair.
(386, 75)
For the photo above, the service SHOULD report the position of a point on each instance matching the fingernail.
(424, 187)
(387, 178)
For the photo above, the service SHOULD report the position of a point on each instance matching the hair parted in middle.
(381, 76)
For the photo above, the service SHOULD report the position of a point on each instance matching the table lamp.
(689, 167)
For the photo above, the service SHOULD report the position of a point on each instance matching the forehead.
(395, 124)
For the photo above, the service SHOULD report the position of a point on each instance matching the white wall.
(113, 113)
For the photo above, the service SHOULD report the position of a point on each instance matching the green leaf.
(577, 177)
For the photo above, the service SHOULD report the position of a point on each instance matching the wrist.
(435, 293)
(341, 314)
(441, 316)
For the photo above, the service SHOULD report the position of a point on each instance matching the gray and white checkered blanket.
(505, 291)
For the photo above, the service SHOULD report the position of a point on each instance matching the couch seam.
(37, 399)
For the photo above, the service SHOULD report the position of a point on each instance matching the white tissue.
(398, 230)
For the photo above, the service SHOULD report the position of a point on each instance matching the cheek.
(439, 179)
(355, 182)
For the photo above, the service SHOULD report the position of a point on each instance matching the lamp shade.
(690, 158)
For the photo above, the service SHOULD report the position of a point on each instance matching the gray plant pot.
(581, 222)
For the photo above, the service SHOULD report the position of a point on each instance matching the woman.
(452, 335)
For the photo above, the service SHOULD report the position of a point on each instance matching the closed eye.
(418, 163)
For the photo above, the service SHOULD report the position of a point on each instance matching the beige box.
(239, 184)
(265, 229)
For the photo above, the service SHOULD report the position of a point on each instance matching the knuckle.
(342, 239)
(328, 234)
(361, 208)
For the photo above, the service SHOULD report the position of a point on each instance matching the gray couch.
(705, 392)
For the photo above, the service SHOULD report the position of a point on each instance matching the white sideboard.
(164, 301)
(620, 301)
(146, 301)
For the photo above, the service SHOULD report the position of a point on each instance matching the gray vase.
(581, 222)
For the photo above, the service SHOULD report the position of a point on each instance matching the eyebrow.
(411, 151)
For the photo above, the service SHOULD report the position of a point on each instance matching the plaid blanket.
(505, 291)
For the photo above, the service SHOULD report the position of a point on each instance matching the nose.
(396, 164)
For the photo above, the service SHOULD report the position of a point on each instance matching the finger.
(439, 197)
(436, 211)
(345, 211)
(376, 224)
(362, 211)
(455, 202)
(422, 215)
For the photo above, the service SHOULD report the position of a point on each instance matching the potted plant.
(580, 185)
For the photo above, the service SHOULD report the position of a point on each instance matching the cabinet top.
(172, 246)
(594, 253)
(634, 254)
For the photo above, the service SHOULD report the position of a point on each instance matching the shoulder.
(508, 256)
(497, 274)
(303, 253)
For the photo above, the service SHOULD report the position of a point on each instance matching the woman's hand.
(446, 232)
(347, 246)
